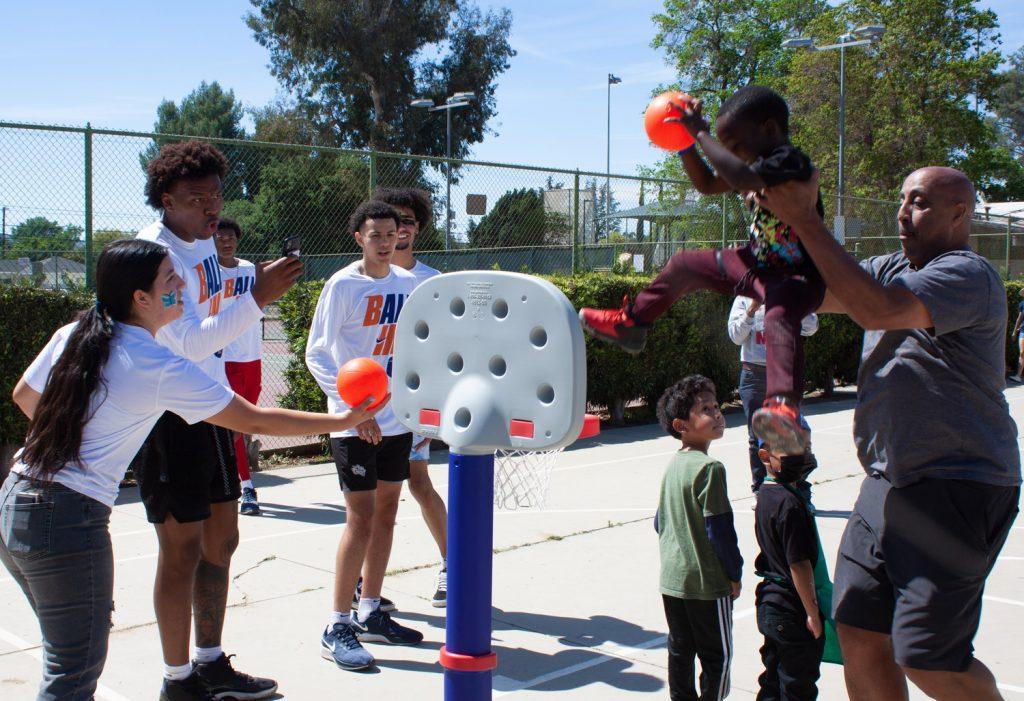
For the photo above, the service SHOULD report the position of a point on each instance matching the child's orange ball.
(360, 378)
(671, 136)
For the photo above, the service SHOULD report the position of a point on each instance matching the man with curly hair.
(186, 473)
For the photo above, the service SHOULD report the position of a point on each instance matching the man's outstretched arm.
(874, 306)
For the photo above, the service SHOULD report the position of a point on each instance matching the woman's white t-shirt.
(140, 381)
(238, 282)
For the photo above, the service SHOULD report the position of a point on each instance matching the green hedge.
(28, 317)
(690, 338)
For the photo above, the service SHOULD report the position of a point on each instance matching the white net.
(522, 478)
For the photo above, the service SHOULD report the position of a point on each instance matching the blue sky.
(112, 62)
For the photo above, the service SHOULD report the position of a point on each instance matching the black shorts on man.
(362, 464)
(181, 469)
(913, 563)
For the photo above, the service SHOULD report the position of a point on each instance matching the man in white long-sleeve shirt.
(186, 473)
(356, 317)
(746, 329)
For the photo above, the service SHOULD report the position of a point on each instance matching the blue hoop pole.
(467, 655)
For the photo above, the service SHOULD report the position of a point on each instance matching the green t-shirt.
(693, 487)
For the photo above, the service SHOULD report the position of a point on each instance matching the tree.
(718, 46)
(39, 238)
(1008, 102)
(209, 111)
(355, 66)
(519, 219)
(910, 99)
(309, 194)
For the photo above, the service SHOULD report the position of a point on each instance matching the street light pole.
(861, 36)
(448, 181)
(459, 99)
(842, 128)
(612, 80)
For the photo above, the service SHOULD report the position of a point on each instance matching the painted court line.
(1001, 600)
(33, 651)
(503, 686)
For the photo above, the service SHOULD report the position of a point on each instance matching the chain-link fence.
(67, 191)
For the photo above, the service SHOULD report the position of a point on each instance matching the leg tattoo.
(209, 601)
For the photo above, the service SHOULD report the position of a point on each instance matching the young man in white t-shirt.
(414, 214)
(186, 473)
(243, 356)
(356, 317)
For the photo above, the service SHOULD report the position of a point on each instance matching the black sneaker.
(224, 682)
(440, 599)
(379, 628)
(250, 504)
(386, 604)
(191, 688)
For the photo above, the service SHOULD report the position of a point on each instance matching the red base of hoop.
(591, 426)
(468, 663)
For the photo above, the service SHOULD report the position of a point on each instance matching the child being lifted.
(752, 152)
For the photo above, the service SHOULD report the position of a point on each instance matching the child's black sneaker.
(616, 326)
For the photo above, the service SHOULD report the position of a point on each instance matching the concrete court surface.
(577, 611)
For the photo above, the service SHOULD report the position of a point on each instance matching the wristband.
(688, 148)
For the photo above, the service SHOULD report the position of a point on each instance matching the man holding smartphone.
(186, 473)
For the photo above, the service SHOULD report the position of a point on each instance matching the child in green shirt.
(701, 565)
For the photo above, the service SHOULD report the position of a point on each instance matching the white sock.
(175, 673)
(205, 655)
(444, 564)
(247, 484)
(366, 607)
(339, 617)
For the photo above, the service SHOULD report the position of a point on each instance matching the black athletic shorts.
(361, 464)
(913, 563)
(182, 469)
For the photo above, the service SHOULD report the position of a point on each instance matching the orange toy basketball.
(671, 136)
(360, 378)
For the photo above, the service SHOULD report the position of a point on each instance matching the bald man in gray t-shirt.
(934, 435)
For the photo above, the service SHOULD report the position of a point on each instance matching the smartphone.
(291, 246)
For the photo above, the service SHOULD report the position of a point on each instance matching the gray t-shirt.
(930, 401)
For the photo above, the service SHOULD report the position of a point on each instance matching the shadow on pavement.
(517, 665)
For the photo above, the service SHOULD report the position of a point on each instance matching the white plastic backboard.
(487, 360)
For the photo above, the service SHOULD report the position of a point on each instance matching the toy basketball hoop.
(485, 361)
(522, 478)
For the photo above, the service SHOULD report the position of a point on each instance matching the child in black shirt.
(787, 607)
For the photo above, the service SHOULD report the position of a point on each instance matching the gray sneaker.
(339, 644)
(440, 599)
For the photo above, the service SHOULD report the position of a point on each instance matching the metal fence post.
(723, 221)
(373, 172)
(89, 282)
(1009, 226)
(576, 223)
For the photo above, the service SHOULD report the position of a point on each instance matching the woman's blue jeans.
(56, 544)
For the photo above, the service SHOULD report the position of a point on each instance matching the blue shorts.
(421, 454)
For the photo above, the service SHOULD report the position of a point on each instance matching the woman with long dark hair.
(92, 395)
